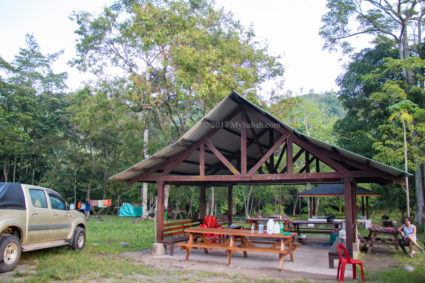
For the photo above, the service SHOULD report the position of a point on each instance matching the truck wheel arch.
(13, 230)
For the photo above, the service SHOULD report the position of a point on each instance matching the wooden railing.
(177, 228)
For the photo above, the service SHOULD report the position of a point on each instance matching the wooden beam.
(271, 140)
(322, 177)
(321, 154)
(289, 164)
(222, 158)
(248, 139)
(235, 155)
(202, 160)
(267, 155)
(266, 120)
(279, 159)
(243, 142)
(306, 167)
(179, 155)
(256, 139)
(317, 165)
(160, 213)
(301, 151)
(307, 163)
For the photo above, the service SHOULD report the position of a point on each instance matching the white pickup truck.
(33, 218)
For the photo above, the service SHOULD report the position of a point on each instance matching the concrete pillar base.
(158, 249)
(356, 250)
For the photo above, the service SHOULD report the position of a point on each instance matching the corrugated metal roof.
(335, 190)
(225, 141)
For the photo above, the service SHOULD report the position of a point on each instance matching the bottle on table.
(260, 228)
(281, 227)
(252, 228)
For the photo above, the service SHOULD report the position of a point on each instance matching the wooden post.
(367, 207)
(348, 200)
(230, 204)
(362, 205)
(202, 204)
(160, 212)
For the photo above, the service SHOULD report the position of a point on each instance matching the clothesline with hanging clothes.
(101, 203)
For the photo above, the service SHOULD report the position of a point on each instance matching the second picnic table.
(297, 223)
(255, 221)
(198, 239)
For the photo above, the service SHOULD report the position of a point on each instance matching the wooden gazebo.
(239, 143)
(336, 190)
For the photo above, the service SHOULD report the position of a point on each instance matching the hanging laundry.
(107, 202)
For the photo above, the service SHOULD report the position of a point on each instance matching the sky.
(290, 28)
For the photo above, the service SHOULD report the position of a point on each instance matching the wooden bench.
(333, 253)
(174, 233)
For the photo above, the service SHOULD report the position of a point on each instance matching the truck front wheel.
(10, 252)
(79, 239)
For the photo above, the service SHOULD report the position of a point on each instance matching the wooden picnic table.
(198, 239)
(256, 221)
(297, 223)
(385, 237)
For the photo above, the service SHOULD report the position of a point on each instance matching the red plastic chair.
(346, 260)
(211, 222)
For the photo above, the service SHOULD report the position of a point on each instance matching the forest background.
(162, 65)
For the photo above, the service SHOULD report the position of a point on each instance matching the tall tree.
(176, 58)
(398, 21)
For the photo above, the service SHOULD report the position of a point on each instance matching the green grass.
(107, 235)
(101, 260)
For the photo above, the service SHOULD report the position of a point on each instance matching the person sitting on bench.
(408, 231)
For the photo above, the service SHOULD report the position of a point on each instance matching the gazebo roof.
(217, 145)
(335, 190)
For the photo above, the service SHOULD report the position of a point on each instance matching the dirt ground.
(144, 257)
(378, 260)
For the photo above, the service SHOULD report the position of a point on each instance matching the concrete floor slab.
(308, 258)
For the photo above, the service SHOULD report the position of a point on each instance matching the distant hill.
(328, 103)
(315, 115)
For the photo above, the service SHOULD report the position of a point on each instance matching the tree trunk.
(212, 202)
(89, 188)
(316, 208)
(166, 194)
(33, 171)
(406, 169)
(75, 188)
(191, 202)
(419, 214)
(145, 185)
(5, 167)
(14, 169)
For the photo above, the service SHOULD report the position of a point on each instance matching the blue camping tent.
(130, 211)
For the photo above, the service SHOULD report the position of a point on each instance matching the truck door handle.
(54, 214)
(34, 213)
